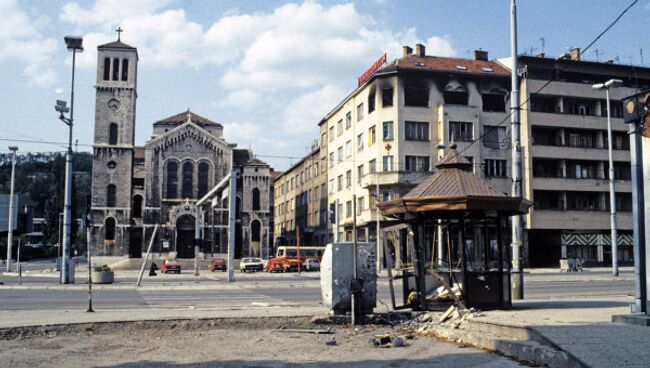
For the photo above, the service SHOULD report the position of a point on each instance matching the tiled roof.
(183, 117)
(448, 64)
(115, 45)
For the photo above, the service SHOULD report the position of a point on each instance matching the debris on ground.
(307, 330)
(386, 341)
(331, 342)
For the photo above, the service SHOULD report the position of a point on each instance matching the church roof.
(185, 116)
(116, 45)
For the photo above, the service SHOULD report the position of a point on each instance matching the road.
(211, 290)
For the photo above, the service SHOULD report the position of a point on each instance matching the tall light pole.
(612, 83)
(10, 234)
(74, 44)
(517, 221)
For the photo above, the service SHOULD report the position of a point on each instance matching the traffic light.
(635, 107)
(332, 213)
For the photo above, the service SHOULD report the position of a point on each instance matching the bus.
(286, 251)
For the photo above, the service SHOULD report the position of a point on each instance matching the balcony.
(576, 220)
(392, 178)
(578, 153)
(561, 120)
(580, 185)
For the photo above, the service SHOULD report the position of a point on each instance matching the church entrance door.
(185, 237)
(135, 242)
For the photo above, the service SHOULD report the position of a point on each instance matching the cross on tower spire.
(118, 30)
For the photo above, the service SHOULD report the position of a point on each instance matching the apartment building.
(385, 137)
(301, 201)
(565, 153)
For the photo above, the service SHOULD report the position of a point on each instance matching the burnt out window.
(387, 97)
(416, 96)
(371, 102)
(494, 102)
(456, 97)
(107, 68)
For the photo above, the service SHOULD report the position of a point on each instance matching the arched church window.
(125, 69)
(116, 69)
(107, 68)
(172, 180)
(256, 199)
(110, 195)
(188, 172)
(112, 133)
(109, 229)
(204, 174)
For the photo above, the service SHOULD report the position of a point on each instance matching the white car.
(311, 264)
(251, 264)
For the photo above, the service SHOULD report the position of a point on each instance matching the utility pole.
(197, 239)
(517, 220)
(232, 208)
(378, 237)
(638, 220)
(12, 205)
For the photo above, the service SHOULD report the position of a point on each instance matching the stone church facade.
(136, 187)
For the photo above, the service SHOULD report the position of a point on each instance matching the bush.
(102, 268)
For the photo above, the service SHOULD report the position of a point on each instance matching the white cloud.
(20, 39)
(109, 12)
(302, 113)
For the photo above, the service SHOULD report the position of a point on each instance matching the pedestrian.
(153, 269)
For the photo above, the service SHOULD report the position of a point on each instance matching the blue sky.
(266, 70)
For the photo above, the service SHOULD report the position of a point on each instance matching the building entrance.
(185, 237)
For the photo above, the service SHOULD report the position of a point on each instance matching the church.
(136, 187)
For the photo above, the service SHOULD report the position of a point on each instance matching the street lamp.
(612, 83)
(74, 44)
(10, 233)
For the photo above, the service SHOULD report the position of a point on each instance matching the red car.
(218, 264)
(170, 265)
(275, 265)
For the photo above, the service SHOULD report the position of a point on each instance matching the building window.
(460, 131)
(348, 148)
(110, 195)
(416, 130)
(371, 102)
(125, 69)
(172, 179)
(372, 166)
(339, 127)
(388, 163)
(348, 209)
(331, 133)
(387, 97)
(109, 229)
(256, 230)
(494, 137)
(495, 168)
(456, 95)
(116, 69)
(388, 130)
(417, 163)
(332, 186)
(371, 136)
(204, 174)
(348, 120)
(360, 112)
(107, 68)
(136, 206)
(416, 96)
(348, 178)
(339, 155)
(360, 205)
(112, 133)
(359, 173)
(494, 102)
(331, 159)
(188, 173)
(339, 183)
(360, 142)
(256, 199)
(387, 196)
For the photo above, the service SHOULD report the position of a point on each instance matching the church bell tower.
(113, 148)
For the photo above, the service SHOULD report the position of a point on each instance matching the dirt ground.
(232, 343)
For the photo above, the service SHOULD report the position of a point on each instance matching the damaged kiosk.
(450, 240)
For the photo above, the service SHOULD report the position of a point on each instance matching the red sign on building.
(368, 73)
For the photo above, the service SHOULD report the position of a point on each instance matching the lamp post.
(74, 44)
(612, 83)
(10, 233)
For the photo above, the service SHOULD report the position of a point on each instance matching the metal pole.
(197, 239)
(19, 266)
(612, 189)
(232, 207)
(67, 206)
(90, 274)
(298, 247)
(380, 248)
(355, 302)
(517, 221)
(336, 221)
(12, 205)
(638, 221)
(146, 257)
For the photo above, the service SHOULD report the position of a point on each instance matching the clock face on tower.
(114, 104)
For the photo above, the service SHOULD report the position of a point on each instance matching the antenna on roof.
(543, 43)
(598, 53)
(641, 55)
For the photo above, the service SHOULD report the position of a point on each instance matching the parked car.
(291, 265)
(311, 264)
(275, 265)
(170, 265)
(218, 264)
(251, 264)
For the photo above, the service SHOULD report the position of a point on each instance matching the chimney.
(480, 55)
(419, 49)
(407, 50)
(575, 53)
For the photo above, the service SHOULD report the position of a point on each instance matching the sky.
(267, 70)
